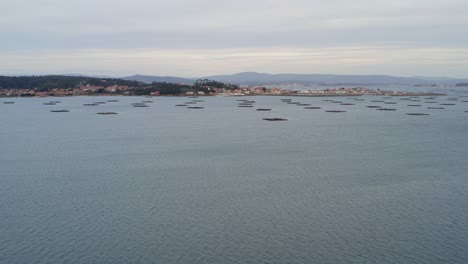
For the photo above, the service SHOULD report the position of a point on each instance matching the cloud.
(110, 28)
(401, 61)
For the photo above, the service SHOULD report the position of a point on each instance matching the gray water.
(167, 184)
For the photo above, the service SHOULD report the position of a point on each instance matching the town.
(212, 91)
(116, 90)
(46, 86)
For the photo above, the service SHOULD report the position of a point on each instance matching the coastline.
(399, 94)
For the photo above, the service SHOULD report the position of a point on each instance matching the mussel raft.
(106, 113)
(275, 119)
(417, 114)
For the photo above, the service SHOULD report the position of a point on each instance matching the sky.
(193, 38)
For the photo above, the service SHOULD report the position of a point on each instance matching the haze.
(207, 37)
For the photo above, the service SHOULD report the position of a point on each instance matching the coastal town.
(205, 91)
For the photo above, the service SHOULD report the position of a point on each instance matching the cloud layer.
(192, 38)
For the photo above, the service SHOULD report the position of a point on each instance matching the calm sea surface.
(166, 184)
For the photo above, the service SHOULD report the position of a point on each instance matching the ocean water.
(167, 184)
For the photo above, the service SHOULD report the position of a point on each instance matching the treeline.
(163, 88)
(45, 83)
(174, 88)
(200, 83)
(49, 82)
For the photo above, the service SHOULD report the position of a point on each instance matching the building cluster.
(324, 92)
(247, 90)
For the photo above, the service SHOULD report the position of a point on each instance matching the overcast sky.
(205, 37)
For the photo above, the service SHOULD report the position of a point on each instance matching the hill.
(255, 78)
(151, 79)
(323, 79)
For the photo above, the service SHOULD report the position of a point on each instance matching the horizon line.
(227, 74)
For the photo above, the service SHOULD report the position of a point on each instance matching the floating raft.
(180, 105)
(264, 109)
(8, 102)
(417, 114)
(335, 111)
(435, 107)
(106, 113)
(386, 109)
(373, 106)
(50, 103)
(447, 104)
(140, 105)
(431, 102)
(389, 102)
(112, 101)
(195, 107)
(245, 106)
(313, 107)
(347, 104)
(60, 111)
(275, 119)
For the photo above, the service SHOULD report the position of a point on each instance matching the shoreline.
(400, 94)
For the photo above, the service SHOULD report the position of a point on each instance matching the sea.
(169, 184)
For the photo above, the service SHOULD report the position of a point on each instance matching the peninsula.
(56, 85)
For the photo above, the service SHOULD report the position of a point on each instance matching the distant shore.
(399, 94)
(351, 95)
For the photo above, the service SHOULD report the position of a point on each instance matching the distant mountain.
(328, 79)
(433, 78)
(255, 78)
(323, 79)
(85, 75)
(150, 79)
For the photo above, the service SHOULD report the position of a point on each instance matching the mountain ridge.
(153, 78)
(256, 78)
